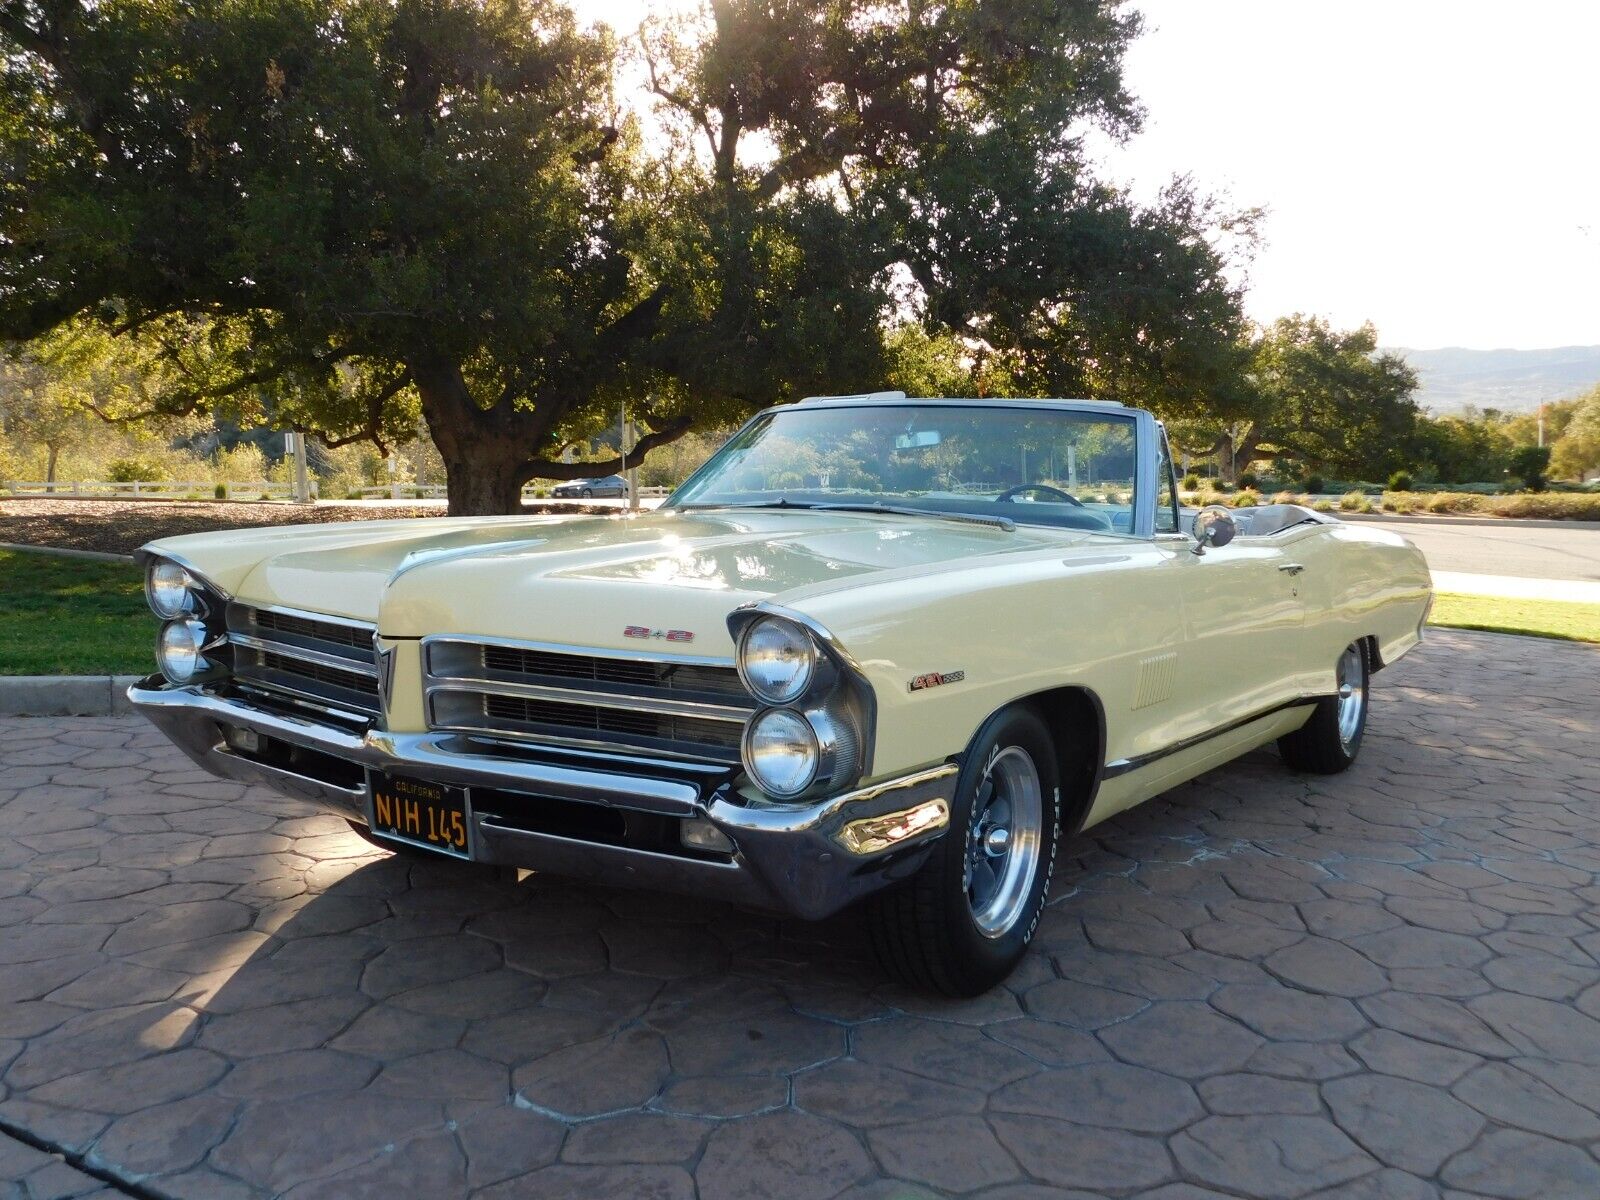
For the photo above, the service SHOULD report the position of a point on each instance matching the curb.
(64, 552)
(66, 695)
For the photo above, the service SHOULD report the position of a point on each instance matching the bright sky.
(1427, 164)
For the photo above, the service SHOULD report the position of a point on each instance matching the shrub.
(1191, 482)
(220, 491)
(1247, 499)
(1550, 506)
(1247, 479)
(1529, 463)
(1315, 484)
(1353, 501)
(1323, 505)
(1400, 481)
(135, 469)
(1402, 502)
(1285, 498)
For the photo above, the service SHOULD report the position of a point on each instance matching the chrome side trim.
(559, 695)
(1123, 766)
(688, 660)
(351, 666)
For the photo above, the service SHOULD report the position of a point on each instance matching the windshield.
(1034, 466)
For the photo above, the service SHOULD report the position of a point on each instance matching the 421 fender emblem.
(935, 679)
(670, 635)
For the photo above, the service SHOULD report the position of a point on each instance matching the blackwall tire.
(1330, 740)
(963, 922)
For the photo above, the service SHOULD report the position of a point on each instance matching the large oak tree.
(371, 205)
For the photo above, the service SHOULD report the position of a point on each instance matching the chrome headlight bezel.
(833, 701)
(201, 604)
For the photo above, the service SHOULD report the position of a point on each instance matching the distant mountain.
(1510, 380)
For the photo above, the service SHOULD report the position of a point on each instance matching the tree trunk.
(50, 468)
(483, 462)
(483, 483)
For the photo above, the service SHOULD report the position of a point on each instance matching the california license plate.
(417, 813)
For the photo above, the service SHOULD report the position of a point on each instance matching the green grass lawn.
(1567, 619)
(69, 616)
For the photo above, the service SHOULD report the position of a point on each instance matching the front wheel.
(962, 923)
(588, 493)
(1330, 740)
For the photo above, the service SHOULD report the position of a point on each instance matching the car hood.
(585, 580)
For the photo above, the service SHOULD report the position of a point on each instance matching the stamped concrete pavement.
(1385, 984)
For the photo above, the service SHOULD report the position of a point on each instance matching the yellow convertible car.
(877, 651)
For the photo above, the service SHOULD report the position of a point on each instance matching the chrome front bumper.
(794, 859)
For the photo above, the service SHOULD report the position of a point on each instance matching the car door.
(1243, 621)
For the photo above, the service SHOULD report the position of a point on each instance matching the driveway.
(1261, 985)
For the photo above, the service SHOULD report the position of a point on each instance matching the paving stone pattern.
(1261, 985)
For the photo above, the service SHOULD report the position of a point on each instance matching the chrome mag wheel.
(1004, 841)
(1352, 694)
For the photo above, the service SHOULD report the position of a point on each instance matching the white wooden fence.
(168, 489)
(264, 490)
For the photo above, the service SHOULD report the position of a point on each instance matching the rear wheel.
(1330, 740)
(962, 923)
(588, 493)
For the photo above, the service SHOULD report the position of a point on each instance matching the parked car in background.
(586, 489)
(877, 651)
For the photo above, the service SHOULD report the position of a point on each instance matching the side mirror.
(1213, 526)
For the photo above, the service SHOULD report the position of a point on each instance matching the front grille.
(686, 707)
(624, 722)
(323, 660)
(269, 621)
(645, 675)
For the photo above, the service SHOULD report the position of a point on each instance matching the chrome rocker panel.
(789, 859)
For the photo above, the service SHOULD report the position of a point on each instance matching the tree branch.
(537, 468)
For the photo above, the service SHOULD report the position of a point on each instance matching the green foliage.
(1191, 482)
(1529, 464)
(220, 491)
(1575, 451)
(1400, 481)
(135, 470)
(1247, 499)
(1353, 502)
(352, 214)
(1248, 479)
(1315, 484)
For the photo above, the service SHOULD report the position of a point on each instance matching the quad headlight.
(781, 752)
(170, 590)
(808, 736)
(180, 651)
(778, 660)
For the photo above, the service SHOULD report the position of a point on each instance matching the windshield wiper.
(898, 510)
(905, 510)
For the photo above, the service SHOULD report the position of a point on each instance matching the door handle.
(1291, 568)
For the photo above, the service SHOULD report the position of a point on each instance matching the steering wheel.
(1010, 494)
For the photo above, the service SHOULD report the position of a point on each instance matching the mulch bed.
(122, 526)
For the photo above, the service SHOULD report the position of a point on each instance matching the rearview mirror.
(1213, 526)
(918, 440)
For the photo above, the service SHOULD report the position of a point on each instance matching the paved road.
(1529, 551)
(1385, 984)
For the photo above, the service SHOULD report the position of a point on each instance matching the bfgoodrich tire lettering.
(962, 923)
